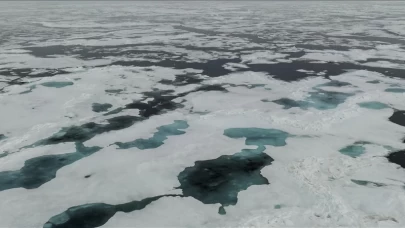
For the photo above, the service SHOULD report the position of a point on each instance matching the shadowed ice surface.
(158, 138)
(39, 170)
(373, 105)
(220, 180)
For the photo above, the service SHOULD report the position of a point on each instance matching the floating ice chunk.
(235, 66)
(262, 57)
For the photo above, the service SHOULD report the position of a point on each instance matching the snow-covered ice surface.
(176, 114)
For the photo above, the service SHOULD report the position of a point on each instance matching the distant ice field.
(193, 114)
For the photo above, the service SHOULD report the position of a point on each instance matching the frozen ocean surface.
(179, 114)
